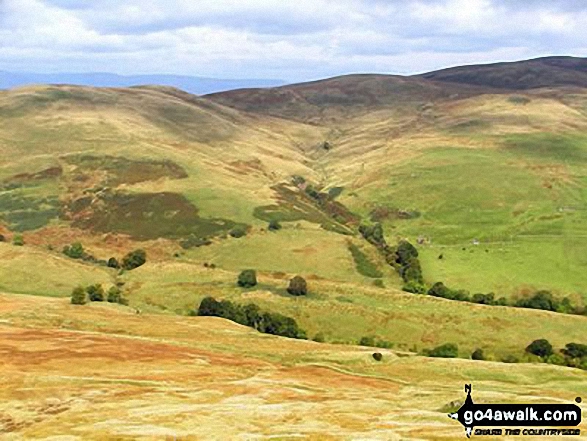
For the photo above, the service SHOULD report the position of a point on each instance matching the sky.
(292, 40)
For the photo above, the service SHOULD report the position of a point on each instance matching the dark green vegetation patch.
(145, 216)
(126, 171)
(22, 212)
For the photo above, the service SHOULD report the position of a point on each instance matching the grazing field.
(103, 372)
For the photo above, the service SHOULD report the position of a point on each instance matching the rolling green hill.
(485, 175)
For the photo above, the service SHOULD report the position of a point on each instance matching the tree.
(274, 225)
(478, 354)
(18, 240)
(541, 347)
(75, 250)
(113, 263)
(575, 350)
(541, 300)
(95, 293)
(114, 294)
(209, 307)
(447, 350)
(378, 356)
(78, 296)
(134, 259)
(297, 286)
(247, 278)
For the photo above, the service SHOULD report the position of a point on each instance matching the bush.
(274, 225)
(541, 300)
(2, 238)
(575, 350)
(78, 296)
(478, 354)
(378, 283)
(319, 338)
(113, 263)
(377, 356)
(74, 251)
(194, 242)
(541, 348)
(95, 293)
(440, 290)
(297, 286)
(114, 295)
(510, 359)
(18, 240)
(447, 350)
(247, 278)
(484, 299)
(556, 359)
(134, 259)
(373, 234)
(238, 232)
(367, 341)
(414, 287)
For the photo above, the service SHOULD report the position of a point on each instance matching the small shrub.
(510, 359)
(95, 293)
(113, 263)
(297, 286)
(2, 238)
(478, 354)
(556, 359)
(18, 240)
(238, 232)
(114, 294)
(194, 242)
(274, 225)
(78, 296)
(367, 341)
(377, 356)
(319, 338)
(134, 259)
(447, 350)
(414, 287)
(541, 348)
(247, 278)
(378, 283)
(541, 300)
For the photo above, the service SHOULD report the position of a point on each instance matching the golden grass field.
(103, 372)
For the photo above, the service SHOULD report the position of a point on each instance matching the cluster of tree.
(403, 257)
(132, 260)
(540, 300)
(297, 285)
(545, 300)
(95, 293)
(572, 355)
(252, 316)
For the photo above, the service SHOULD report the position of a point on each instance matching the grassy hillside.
(104, 372)
(489, 183)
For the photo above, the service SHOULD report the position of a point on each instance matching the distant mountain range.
(195, 85)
